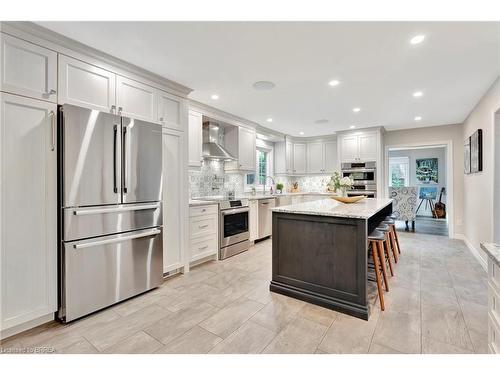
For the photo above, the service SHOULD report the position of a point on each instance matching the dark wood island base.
(322, 259)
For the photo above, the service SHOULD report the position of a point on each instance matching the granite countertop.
(493, 251)
(363, 209)
(267, 196)
(198, 202)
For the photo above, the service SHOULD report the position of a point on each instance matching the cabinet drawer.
(202, 226)
(493, 335)
(494, 274)
(494, 303)
(203, 210)
(204, 246)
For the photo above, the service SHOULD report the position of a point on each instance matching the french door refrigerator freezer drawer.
(102, 271)
(100, 221)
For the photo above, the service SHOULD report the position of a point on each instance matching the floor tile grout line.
(326, 331)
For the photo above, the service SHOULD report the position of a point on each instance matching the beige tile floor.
(437, 304)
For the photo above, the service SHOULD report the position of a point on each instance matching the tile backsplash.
(211, 179)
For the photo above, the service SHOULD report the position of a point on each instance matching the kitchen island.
(320, 252)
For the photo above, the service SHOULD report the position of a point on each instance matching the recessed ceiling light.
(301, 133)
(321, 121)
(269, 119)
(264, 85)
(418, 94)
(356, 109)
(417, 39)
(418, 118)
(215, 96)
(333, 82)
(352, 126)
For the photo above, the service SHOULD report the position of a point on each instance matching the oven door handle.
(358, 170)
(234, 211)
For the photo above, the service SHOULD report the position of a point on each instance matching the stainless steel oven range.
(234, 231)
(364, 175)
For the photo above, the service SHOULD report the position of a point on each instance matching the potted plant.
(279, 188)
(340, 184)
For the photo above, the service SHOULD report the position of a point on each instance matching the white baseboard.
(476, 252)
(26, 326)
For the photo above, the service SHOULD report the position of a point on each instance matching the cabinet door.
(136, 100)
(279, 158)
(27, 69)
(368, 147)
(315, 156)
(86, 85)
(254, 220)
(170, 110)
(246, 146)
(28, 209)
(330, 155)
(349, 148)
(299, 158)
(195, 129)
(289, 157)
(174, 216)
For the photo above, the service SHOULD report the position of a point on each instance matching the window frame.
(399, 160)
(270, 170)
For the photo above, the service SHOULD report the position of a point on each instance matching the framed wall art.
(476, 151)
(467, 156)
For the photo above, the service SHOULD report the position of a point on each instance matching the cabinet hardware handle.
(203, 209)
(203, 247)
(120, 109)
(202, 226)
(113, 109)
(52, 130)
(51, 92)
(161, 119)
(119, 239)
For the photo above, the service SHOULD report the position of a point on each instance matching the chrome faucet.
(265, 180)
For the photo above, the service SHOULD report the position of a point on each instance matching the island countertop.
(363, 209)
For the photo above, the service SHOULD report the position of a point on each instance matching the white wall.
(478, 187)
(423, 153)
(496, 190)
(433, 135)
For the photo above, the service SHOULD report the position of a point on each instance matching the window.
(263, 169)
(399, 171)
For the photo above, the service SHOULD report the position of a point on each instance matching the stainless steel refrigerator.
(110, 217)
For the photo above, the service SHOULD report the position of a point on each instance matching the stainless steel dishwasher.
(265, 217)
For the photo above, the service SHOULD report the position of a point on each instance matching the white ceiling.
(377, 66)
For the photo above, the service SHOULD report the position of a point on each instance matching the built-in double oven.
(234, 227)
(364, 176)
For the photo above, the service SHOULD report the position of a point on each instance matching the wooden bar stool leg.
(380, 249)
(393, 246)
(388, 255)
(377, 276)
(397, 239)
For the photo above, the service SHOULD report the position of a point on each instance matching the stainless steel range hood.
(212, 139)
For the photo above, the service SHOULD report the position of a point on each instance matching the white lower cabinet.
(28, 206)
(174, 200)
(203, 232)
(253, 218)
(86, 85)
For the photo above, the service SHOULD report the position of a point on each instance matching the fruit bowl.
(349, 199)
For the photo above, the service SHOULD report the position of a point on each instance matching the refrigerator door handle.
(118, 239)
(153, 206)
(124, 159)
(115, 133)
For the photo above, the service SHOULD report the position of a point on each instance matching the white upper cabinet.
(321, 157)
(315, 157)
(368, 147)
(28, 206)
(299, 158)
(171, 111)
(246, 154)
(195, 128)
(86, 85)
(359, 147)
(27, 69)
(289, 156)
(330, 155)
(136, 100)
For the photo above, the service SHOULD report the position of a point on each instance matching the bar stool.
(376, 239)
(393, 217)
(392, 226)
(384, 228)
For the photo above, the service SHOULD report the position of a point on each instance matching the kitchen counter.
(267, 196)
(198, 202)
(493, 252)
(320, 252)
(363, 209)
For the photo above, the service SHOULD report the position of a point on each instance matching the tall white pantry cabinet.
(35, 76)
